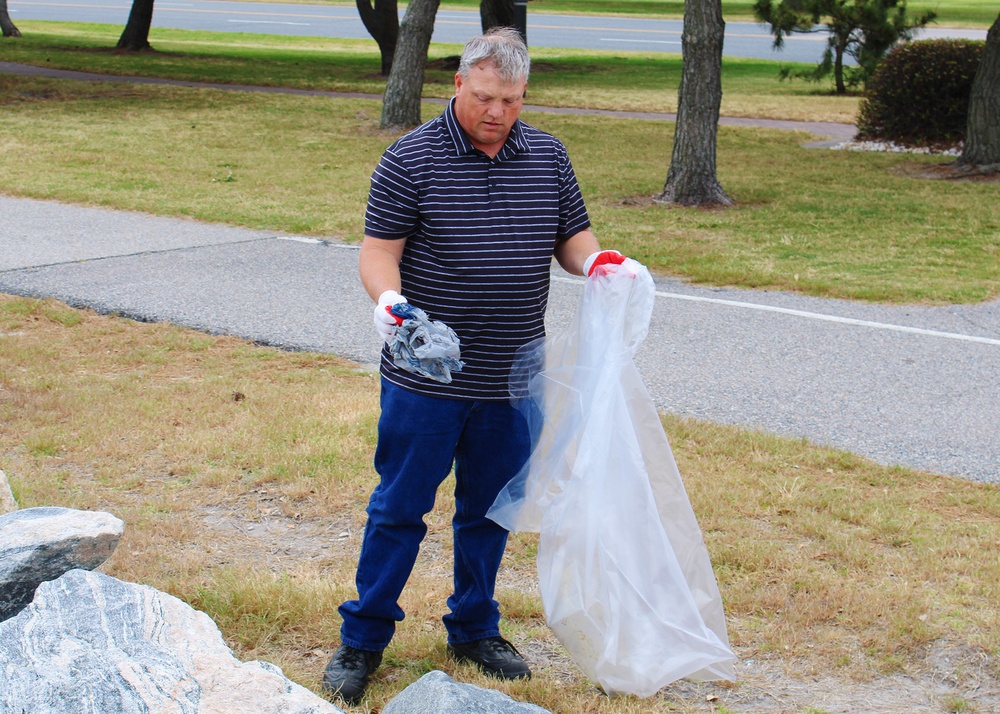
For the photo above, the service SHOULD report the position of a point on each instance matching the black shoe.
(348, 672)
(494, 655)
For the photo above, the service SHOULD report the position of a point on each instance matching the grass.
(242, 474)
(639, 81)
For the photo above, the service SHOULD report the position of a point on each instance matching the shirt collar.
(516, 141)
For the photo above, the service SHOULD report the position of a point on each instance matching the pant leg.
(417, 436)
(494, 446)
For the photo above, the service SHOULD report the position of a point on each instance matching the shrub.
(919, 95)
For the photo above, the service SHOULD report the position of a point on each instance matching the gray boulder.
(40, 544)
(73, 640)
(437, 693)
(89, 642)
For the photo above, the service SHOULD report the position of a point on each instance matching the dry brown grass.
(242, 474)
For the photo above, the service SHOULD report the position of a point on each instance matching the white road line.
(835, 318)
(818, 316)
(302, 239)
(632, 39)
(755, 306)
(269, 22)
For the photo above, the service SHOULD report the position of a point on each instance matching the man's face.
(487, 107)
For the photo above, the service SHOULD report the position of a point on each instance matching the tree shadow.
(952, 171)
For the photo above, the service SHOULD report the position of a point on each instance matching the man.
(464, 216)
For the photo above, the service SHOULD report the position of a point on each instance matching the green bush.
(919, 95)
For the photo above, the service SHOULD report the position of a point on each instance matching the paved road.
(743, 39)
(917, 386)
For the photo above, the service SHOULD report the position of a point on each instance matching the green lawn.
(640, 81)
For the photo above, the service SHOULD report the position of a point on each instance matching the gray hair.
(504, 48)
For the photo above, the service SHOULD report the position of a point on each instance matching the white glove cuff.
(390, 298)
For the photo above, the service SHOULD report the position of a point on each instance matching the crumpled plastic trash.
(625, 578)
(424, 346)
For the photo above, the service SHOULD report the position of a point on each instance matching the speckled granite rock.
(89, 642)
(40, 544)
(7, 501)
(437, 693)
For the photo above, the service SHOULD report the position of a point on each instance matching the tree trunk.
(382, 23)
(6, 26)
(838, 68)
(136, 35)
(496, 13)
(691, 179)
(401, 105)
(982, 134)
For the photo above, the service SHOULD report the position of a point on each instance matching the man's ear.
(458, 82)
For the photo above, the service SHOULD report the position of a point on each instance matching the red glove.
(601, 258)
(385, 322)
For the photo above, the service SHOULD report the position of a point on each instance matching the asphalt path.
(618, 33)
(916, 386)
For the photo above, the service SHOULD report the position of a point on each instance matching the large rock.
(437, 693)
(73, 640)
(89, 642)
(7, 501)
(40, 544)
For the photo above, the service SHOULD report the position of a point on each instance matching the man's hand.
(385, 322)
(601, 258)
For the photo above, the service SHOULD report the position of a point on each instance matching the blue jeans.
(419, 439)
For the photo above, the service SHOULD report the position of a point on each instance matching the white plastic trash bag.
(625, 576)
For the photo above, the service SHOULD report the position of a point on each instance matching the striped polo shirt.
(480, 234)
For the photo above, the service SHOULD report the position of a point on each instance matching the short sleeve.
(392, 211)
(573, 216)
